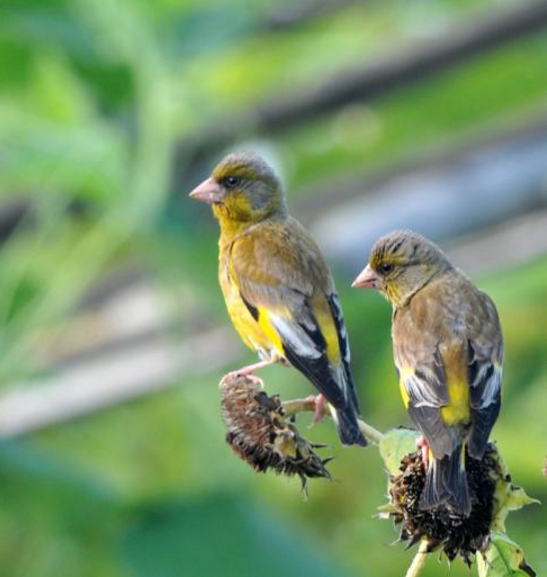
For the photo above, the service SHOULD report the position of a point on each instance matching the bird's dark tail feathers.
(446, 482)
(348, 427)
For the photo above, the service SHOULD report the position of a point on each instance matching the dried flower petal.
(259, 433)
(444, 528)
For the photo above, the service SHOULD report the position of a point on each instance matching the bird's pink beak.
(367, 279)
(208, 191)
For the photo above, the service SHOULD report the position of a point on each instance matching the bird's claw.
(318, 402)
(423, 447)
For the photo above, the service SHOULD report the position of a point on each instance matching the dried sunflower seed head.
(259, 433)
(443, 528)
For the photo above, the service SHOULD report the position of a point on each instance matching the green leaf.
(507, 498)
(396, 444)
(503, 558)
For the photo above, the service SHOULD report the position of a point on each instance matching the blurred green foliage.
(94, 97)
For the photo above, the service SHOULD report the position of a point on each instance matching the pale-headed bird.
(448, 349)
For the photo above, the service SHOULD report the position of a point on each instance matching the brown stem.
(295, 406)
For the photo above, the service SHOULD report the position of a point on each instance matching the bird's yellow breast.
(259, 335)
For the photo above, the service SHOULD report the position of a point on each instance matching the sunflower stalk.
(295, 406)
(418, 563)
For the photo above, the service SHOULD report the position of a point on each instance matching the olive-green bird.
(278, 290)
(448, 350)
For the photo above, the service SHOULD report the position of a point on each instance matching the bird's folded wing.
(421, 371)
(485, 375)
(425, 390)
(485, 357)
(283, 279)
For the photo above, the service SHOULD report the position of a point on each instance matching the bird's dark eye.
(386, 267)
(231, 181)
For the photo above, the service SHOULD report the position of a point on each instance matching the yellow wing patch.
(404, 374)
(456, 370)
(457, 411)
(327, 328)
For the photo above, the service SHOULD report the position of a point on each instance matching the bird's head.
(400, 264)
(242, 188)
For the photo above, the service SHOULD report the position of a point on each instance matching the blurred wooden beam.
(12, 214)
(109, 380)
(104, 380)
(317, 199)
(509, 244)
(292, 14)
(403, 66)
(448, 195)
(23, 212)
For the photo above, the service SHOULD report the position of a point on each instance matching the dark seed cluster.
(260, 434)
(444, 528)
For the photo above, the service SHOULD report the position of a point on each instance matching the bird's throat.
(229, 226)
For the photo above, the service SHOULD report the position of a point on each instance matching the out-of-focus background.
(428, 114)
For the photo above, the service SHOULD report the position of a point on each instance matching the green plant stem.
(419, 560)
(370, 432)
(295, 406)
